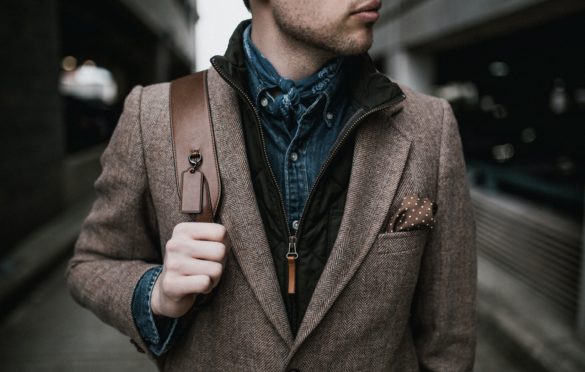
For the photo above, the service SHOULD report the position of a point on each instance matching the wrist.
(154, 302)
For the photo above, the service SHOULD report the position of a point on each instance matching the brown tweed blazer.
(386, 301)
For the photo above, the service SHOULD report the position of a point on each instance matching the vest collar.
(369, 87)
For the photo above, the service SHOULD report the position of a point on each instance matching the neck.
(291, 58)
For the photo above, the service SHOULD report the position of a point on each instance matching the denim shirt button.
(295, 225)
(329, 116)
(294, 156)
(264, 102)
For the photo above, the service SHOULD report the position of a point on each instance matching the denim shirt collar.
(300, 96)
(367, 87)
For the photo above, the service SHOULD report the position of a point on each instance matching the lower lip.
(367, 16)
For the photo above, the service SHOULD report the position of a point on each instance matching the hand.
(193, 264)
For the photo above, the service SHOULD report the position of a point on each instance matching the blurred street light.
(89, 82)
(69, 63)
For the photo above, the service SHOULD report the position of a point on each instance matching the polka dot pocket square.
(414, 213)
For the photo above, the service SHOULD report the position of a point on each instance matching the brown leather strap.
(192, 130)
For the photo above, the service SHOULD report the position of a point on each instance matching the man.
(345, 238)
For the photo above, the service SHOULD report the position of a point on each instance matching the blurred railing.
(539, 248)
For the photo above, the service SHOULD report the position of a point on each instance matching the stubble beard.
(326, 39)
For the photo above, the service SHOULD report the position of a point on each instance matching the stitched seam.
(441, 148)
(389, 215)
(379, 199)
(173, 146)
(156, 339)
(146, 174)
(215, 159)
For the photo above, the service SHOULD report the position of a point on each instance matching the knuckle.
(207, 284)
(172, 264)
(172, 245)
(221, 231)
(180, 228)
(167, 286)
(216, 270)
(216, 232)
(204, 282)
(221, 251)
(177, 228)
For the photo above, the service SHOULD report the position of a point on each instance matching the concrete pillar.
(31, 133)
(414, 69)
(581, 308)
(162, 62)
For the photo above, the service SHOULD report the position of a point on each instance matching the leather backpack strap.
(196, 165)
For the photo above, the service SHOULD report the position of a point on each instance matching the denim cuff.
(157, 331)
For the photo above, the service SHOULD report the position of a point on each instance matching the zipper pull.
(291, 257)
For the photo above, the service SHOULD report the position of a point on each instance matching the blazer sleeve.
(118, 241)
(444, 307)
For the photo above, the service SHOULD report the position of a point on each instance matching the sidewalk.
(527, 326)
(51, 332)
(35, 255)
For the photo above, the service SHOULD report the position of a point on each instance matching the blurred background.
(513, 70)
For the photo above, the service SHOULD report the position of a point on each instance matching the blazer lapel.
(238, 208)
(380, 155)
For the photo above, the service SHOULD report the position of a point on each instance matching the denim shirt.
(297, 144)
(157, 332)
(299, 130)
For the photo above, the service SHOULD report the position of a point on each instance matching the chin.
(356, 44)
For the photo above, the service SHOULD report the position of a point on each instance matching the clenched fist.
(193, 264)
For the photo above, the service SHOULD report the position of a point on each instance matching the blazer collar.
(238, 209)
(380, 155)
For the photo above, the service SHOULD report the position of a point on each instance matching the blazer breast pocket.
(401, 242)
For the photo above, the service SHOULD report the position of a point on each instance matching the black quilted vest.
(322, 213)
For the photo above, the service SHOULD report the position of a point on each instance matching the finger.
(178, 286)
(191, 267)
(200, 231)
(206, 250)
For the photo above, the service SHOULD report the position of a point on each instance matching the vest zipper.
(338, 145)
(292, 254)
(259, 127)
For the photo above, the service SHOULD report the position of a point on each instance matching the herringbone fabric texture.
(386, 301)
